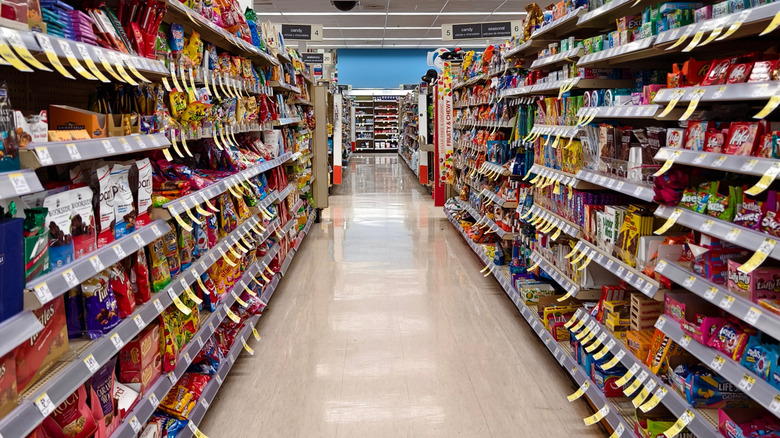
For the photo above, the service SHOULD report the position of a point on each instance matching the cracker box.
(761, 283)
(141, 351)
(531, 291)
(644, 312)
(11, 267)
(144, 377)
(36, 356)
(8, 392)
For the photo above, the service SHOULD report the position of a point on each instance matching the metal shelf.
(476, 79)
(754, 20)
(286, 192)
(754, 386)
(641, 49)
(560, 176)
(529, 47)
(557, 130)
(181, 205)
(287, 261)
(559, 277)
(558, 59)
(19, 182)
(560, 27)
(744, 237)
(287, 88)
(722, 93)
(470, 124)
(574, 83)
(287, 121)
(189, 19)
(45, 288)
(632, 276)
(743, 164)
(605, 15)
(673, 401)
(631, 188)
(566, 226)
(501, 202)
(61, 152)
(742, 308)
(488, 167)
(619, 112)
(17, 330)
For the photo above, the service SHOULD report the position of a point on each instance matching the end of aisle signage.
(472, 31)
(313, 58)
(311, 32)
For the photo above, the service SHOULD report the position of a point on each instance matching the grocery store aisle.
(384, 327)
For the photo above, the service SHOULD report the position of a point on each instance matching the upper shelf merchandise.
(633, 203)
(150, 210)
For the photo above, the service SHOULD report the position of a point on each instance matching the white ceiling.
(389, 23)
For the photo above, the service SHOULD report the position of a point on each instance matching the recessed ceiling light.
(480, 13)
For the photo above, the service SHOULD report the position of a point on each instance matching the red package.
(141, 351)
(764, 71)
(34, 358)
(765, 148)
(717, 72)
(743, 138)
(770, 223)
(72, 418)
(739, 73)
(714, 140)
(195, 383)
(139, 278)
(120, 284)
(695, 135)
(730, 339)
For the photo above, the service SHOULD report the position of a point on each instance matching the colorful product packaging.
(36, 356)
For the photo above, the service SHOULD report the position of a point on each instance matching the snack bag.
(144, 201)
(759, 357)
(124, 207)
(749, 213)
(730, 339)
(100, 306)
(102, 384)
(169, 344)
(104, 205)
(139, 277)
(227, 216)
(160, 272)
(186, 244)
(82, 222)
(58, 222)
(171, 249)
(72, 418)
(120, 285)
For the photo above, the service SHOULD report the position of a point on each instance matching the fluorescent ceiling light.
(382, 28)
(327, 14)
(378, 39)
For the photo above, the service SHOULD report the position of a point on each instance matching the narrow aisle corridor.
(384, 327)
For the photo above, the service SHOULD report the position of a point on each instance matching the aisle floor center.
(384, 327)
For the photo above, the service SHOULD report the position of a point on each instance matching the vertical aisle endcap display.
(615, 170)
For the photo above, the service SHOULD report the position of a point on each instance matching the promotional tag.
(11, 58)
(761, 254)
(71, 57)
(119, 66)
(15, 40)
(670, 222)
(179, 303)
(48, 49)
(90, 63)
(579, 392)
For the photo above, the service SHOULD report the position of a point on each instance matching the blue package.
(759, 357)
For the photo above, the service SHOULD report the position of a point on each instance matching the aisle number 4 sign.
(471, 31)
(310, 32)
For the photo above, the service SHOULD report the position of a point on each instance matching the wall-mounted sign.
(472, 31)
(312, 58)
(311, 32)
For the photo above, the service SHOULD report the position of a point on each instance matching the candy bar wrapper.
(743, 138)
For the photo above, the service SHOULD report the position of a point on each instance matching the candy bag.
(120, 285)
(749, 213)
(171, 249)
(161, 273)
(100, 305)
(72, 418)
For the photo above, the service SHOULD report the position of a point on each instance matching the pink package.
(761, 283)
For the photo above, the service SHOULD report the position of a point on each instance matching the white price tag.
(156, 231)
(92, 364)
(717, 363)
(139, 240)
(752, 315)
(96, 263)
(43, 156)
(119, 251)
(117, 341)
(218, 379)
(70, 278)
(139, 322)
(187, 358)
(685, 341)
(153, 400)
(732, 235)
(19, 183)
(659, 324)
(172, 378)
(73, 151)
(44, 405)
(43, 293)
(774, 406)
(689, 281)
(158, 305)
(746, 384)
(135, 424)
(109, 148)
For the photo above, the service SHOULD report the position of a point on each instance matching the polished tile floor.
(384, 327)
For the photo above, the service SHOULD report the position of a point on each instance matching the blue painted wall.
(381, 68)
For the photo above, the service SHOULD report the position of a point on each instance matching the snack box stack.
(617, 318)
(638, 342)
(56, 14)
(82, 28)
(644, 312)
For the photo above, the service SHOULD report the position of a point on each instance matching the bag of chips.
(124, 207)
(171, 249)
(186, 245)
(160, 272)
(169, 344)
(100, 306)
(144, 194)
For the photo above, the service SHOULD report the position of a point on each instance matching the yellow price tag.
(770, 106)
(585, 265)
(772, 25)
(598, 416)
(668, 164)
(611, 364)
(197, 300)
(71, 57)
(248, 349)
(603, 352)
(679, 41)
(715, 33)
(570, 254)
(653, 401)
(167, 154)
(179, 220)
(208, 203)
(184, 143)
(15, 40)
(191, 215)
(582, 255)
(763, 251)
(696, 38)
(766, 179)
(557, 234)
(255, 334)
(694, 102)
(568, 324)
(684, 420)
(176, 145)
(670, 222)
(233, 317)
(48, 49)
(579, 326)
(532, 268)
(586, 340)
(11, 58)
(633, 387)
(640, 398)
(250, 291)
(179, 303)
(676, 96)
(568, 295)
(623, 380)
(579, 392)
(238, 299)
(90, 63)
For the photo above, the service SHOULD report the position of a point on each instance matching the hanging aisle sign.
(472, 31)
(313, 58)
(311, 32)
